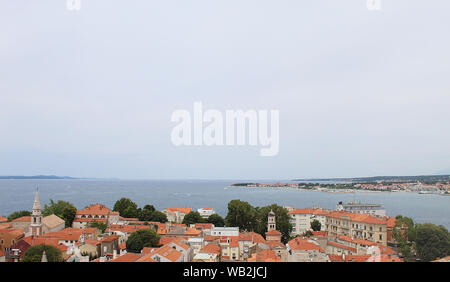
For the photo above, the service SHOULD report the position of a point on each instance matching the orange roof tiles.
(303, 244)
(127, 228)
(168, 252)
(334, 244)
(146, 258)
(273, 232)
(319, 233)
(110, 238)
(273, 244)
(356, 258)
(128, 257)
(13, 231)
(22, 219)
(179, 242)
(89, 219)
(316, 211)
(184, 210)
(356, 240)
(210, 249)
(366, 218)
(95, 209)
(257, 238)
(192, 231)
(446, 259)
(264, 256)
(147, 250)
(336, 258)
(92, 241)
(384, 258)
(391, 222)
(203, 225)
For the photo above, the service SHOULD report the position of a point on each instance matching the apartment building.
(301, 219)
(355, 225)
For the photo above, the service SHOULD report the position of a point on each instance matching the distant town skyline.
(90, 93)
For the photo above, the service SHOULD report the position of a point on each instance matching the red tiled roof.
(210, 249)
(126, 228)
(316, 211)
(146, 258)
(319, 233)
(95, 209)
(168, 252)
(366, 218)
(128, 257)
(356, 258)
(109, 238)
(22, 219)
(89, 219)
(273, 232)
(184, 210)
(336, 258)
(303, 244)
(341, 246)
(264, 256)
(204, 225)
(356, 240)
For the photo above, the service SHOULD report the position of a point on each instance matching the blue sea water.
(19, 195)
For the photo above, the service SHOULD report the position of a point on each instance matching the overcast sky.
(91, 93)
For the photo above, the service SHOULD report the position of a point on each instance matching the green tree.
(159, 217)
(241, 214)
(126, 208)
(34, 254)
(149, 213)
(99, 225)
(216, 219)
(307, 233)
(316, 225)
(62, 209)
(404, 234)
(432, 242)
(18, 214)
(192, 218)
(282, 219)
(142, 238)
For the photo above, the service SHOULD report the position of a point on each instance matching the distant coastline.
(37, 177)
(429, 179)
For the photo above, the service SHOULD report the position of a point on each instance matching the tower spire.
(37, 203)
(44, 257)
(36, 216)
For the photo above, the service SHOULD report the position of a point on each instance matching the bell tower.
(271, 223)
(36, 217)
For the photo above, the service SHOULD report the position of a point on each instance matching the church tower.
(271, 223)
(36, 217)
(272, 233)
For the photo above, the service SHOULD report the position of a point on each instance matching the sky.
(90, 93)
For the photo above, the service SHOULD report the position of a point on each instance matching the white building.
(206, 212)
(373, 209)
(301, 219)
(225, 231)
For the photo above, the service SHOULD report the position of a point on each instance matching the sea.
(19, 195)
